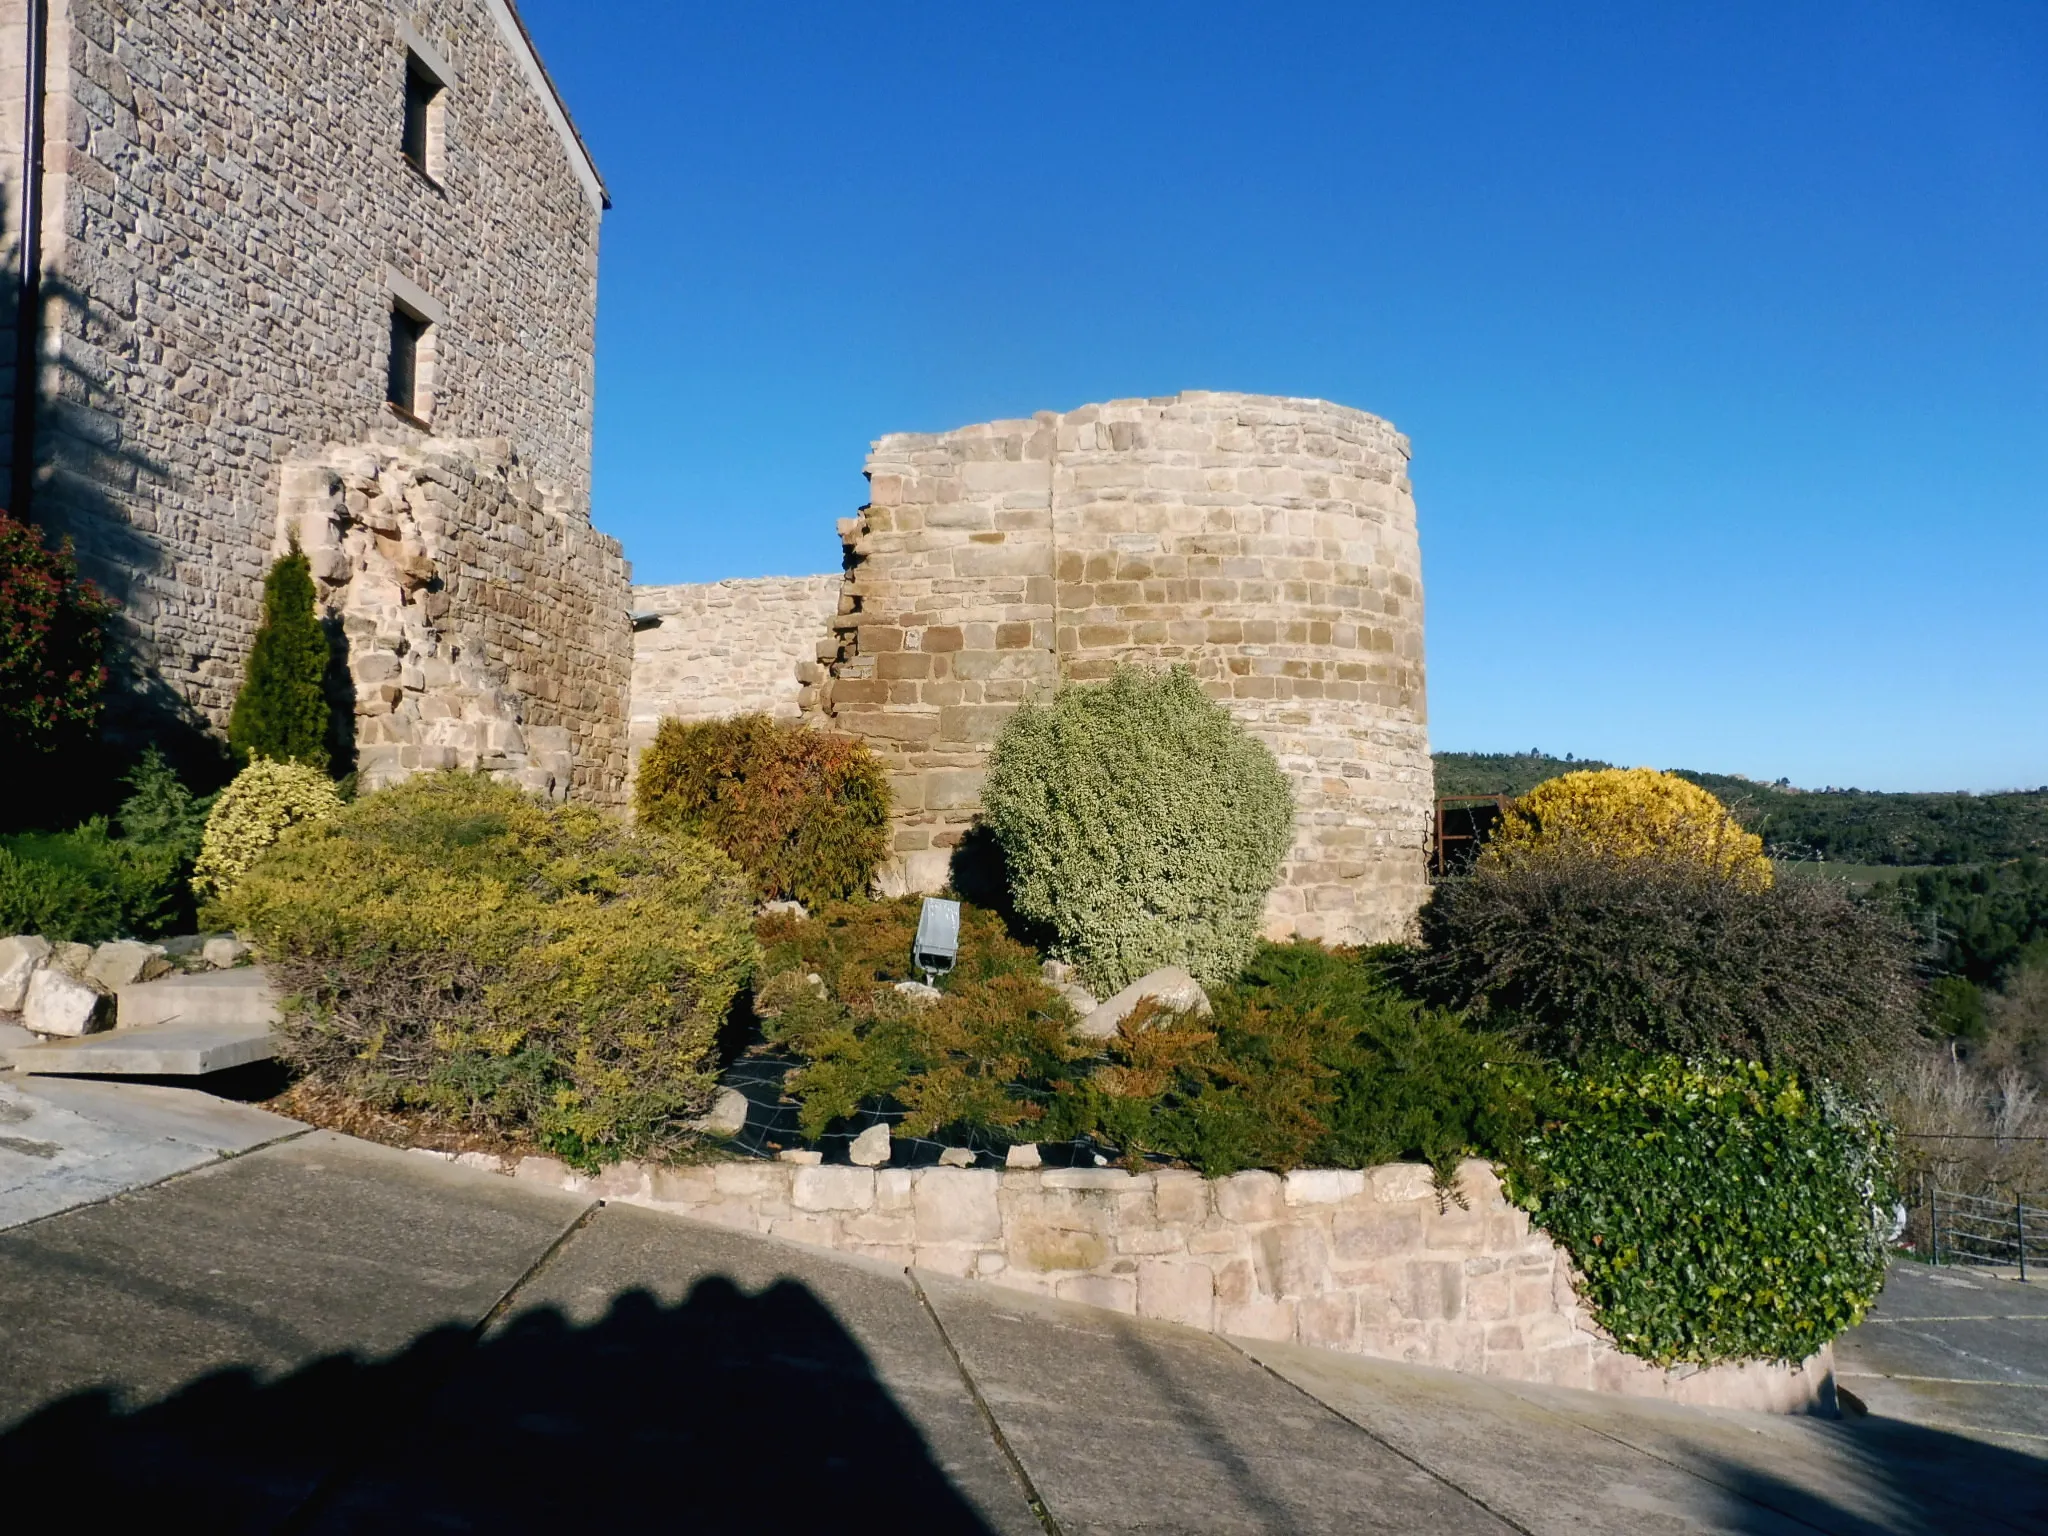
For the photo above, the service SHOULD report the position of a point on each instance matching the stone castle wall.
(727, 648)
(484, 619)
(1269, 544)
(228, 219)
(1369, 1262)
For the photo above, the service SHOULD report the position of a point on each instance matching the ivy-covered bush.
(1717, 1211)
(804, 812)
(1575, 954)
(53, 627)
(252, 813)
(282, 711)
(1623, 814)
(455, 948)
(986, 1057)
(1141, 826)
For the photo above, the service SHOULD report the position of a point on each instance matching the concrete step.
(241, 996)
(181, 1026)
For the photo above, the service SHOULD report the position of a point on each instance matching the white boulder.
(870, 1148)
(919, 992)
(223, 953)
(71, 958)
(20, 958)
(1171, 986)
(727, 1115)
(59, 1003)
(956, 1157)
(123, 962)
(1023, 1155)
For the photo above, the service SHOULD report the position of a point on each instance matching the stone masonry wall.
(228, 216)
(1269, 544)
(726, 648)
(485, 620)
(1368, 1262)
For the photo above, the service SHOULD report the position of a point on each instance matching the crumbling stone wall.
(726, 648)
(1268, 544)
(485, 620)
(228, 216)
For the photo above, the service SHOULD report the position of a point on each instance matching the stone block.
(1323, 1186)
(1365, 1233)
(1396, 1183)
(956, 1259)
(1329, 1321)
(1253, 1196)
(122, 962)
(955, 1206)
(892, 1189)
(683, 1186)
(59, 1003)
(870, 1149)
(1433, 1290)
(1114, 1292)
(832, 1189)
(1179, 1196)
(20, 958)
(754, 1181)
(1177, 1291)
(1291, 1260)
(1256, 1319)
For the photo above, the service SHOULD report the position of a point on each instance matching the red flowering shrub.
(53, 626)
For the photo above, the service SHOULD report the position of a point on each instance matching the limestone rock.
(1078, 997)
(20, 958)
(72, 959)
(1173, 988)
(918, 992)
(870, 1148)
(793, 909)
(1023, 1155)
(60, 1003)
(123, 962)
(224, 952)
(727, 1115)
(804, 1155)
(956, 1157)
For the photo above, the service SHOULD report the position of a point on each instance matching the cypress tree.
(281, 712)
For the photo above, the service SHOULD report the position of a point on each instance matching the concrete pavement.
(324, 1335)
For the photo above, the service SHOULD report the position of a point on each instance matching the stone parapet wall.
(1367, 1262)
(1268, 544)
(485, 620)
(726, 648)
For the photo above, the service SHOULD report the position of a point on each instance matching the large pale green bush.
(252, 813)
(455, 948)
(1141, 826)
(805, 812)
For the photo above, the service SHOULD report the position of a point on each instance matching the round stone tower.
(1269, 544)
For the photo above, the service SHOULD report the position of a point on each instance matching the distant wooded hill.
(1848, 826)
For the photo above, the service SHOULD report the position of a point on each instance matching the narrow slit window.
(408, 337)
(422, 101)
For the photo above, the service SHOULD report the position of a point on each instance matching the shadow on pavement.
(723, 1411)
(1891, 1477)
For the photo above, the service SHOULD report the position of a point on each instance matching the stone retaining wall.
(1368, 1262)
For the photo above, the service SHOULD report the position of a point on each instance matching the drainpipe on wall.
(28, 294)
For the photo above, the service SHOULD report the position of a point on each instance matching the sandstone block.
(1394, 1183)
(1179, 1196)
(870, 1149)
(832, 1189)
(1329, 1321)
(955, 1206)
(1177, 1291)
(71, 959)
(223, 952)
(59, 1003)
(121, 962)
(1253, 1196)
(1114, 1292)
(1291, 1260)
(1023, 1155)
(1323, 1186)
(1170, 986)
(20, 958)
(1257, 1319)
(1361, 1234)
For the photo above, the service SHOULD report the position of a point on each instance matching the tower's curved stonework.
(1267, 543)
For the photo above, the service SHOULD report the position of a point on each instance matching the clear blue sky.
(1721, 332)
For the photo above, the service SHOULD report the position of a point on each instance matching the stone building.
(327, 271)
(1268, 544)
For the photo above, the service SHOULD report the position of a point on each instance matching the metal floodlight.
(937, 945)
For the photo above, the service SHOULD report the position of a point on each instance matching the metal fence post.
(2019, 1229)
(1934, 1222)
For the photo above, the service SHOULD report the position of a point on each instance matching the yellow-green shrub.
(252, 812)
(453, 946)
(806, 813)
(1629, 813)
